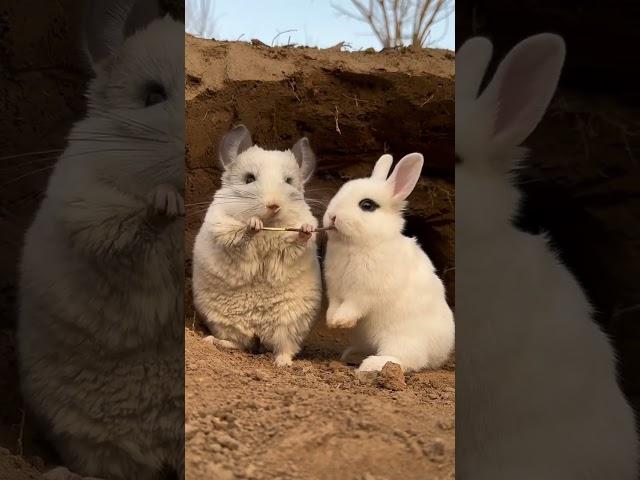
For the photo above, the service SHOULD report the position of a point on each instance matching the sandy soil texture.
(316, 420)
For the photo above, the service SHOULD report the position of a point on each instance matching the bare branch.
(388, 19)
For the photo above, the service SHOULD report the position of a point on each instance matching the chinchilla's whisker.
(32, 154)
(29, 162)
(135, 123)
(240, 192)
(190, 214)
(250, 209)
(107, 137)
(28, 174)
(326, 189)
(78, 154)
(110, 114)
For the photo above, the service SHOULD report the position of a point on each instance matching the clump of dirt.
(319, 419)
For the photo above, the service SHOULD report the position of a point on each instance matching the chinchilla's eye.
(289, 180)
(368, 205)
(458, 159)
(154, 94)
(249, 178)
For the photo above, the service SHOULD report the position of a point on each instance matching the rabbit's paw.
(165, 200)
(345, 316)
(374, 363)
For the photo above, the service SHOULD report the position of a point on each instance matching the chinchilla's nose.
(332, 218)
(273, 207)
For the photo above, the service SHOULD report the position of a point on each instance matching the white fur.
(381, 283)
(537, 395)
(100, 333)
(262, 284)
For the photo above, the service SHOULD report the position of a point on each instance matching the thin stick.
(292, 229)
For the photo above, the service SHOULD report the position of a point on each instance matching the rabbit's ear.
(472, 59)
(108, 23)
(523, 86)
(305, 158)
(406, 175)
(233, 144)
(382, 167)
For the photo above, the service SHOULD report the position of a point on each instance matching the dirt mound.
(318, 420)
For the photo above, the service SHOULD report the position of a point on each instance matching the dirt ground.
(318, 420)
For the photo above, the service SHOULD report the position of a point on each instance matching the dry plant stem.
(394, 21)
(292, 229)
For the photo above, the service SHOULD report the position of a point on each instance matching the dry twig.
(399, 22)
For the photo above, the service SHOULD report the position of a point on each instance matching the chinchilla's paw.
(374, 363)
(63, 473)
(305, 233)
(254, 225)
(283, 360)
(211, 340)
(165, 200)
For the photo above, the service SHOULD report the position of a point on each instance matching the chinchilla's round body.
(253, 286)
(100, 333)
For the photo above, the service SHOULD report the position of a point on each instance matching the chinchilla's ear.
(108, 23)
(233, 144)
(382, 167)
(305, 157)
(406, 175)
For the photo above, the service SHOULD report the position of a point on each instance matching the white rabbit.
(380, 281)
(256, 287)
(101, 331)
(537, 393)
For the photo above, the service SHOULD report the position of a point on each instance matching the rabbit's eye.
(458, 160)
(368, 205)
(249, 178)
(154, 94)
(289, 180)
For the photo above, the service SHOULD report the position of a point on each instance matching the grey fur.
(100, 331)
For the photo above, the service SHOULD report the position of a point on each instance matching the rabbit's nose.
(332, 218)
(274, 207)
